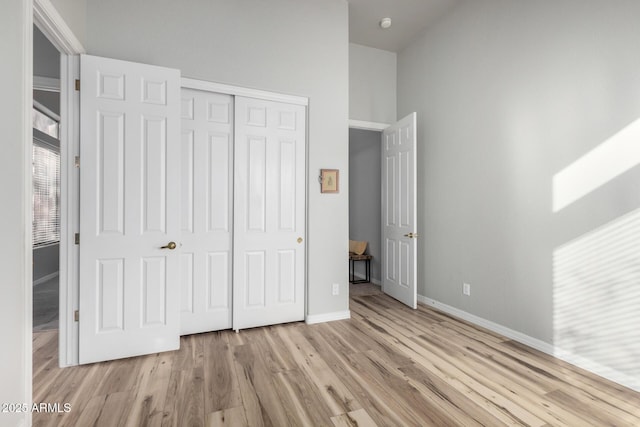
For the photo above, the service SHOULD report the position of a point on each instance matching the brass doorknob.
(170, 245)
(299, 239)
(411, 235)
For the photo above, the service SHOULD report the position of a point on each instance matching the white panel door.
(130, 183)
(269, 213)
(399, 269)
(206, 212)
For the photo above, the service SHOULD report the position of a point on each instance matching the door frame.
(49, 21)
(375, 127)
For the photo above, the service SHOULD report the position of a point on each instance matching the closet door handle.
(170, 245)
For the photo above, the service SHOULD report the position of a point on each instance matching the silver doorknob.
(170, 245)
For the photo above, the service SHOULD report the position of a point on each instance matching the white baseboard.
(359, 276)
(45, 278)
(327, 317)
(569, 357)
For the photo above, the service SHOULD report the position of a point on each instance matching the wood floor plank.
(184, 402)
(303, 398)
(222, 390)
(231, 417)
(119, 376)
(358, 418)
(403, 399)
(262, 405)
(148, 400)
(335, 394)
(534, 401)
(462, 410)
(498, 405)
(353, 379)
(388, 365)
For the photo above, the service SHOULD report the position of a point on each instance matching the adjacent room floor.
(387, 366)
(45, 305)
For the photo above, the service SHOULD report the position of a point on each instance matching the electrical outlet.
(336, 289)
(466, 289)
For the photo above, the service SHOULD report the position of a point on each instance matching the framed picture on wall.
(329, 180)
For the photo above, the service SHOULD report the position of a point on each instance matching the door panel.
(206, 211)
(269, 225)
(129, 292)
(399, 268)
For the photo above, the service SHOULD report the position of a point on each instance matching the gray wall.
(364, 195)
(46, 59)
(509, 94)
(49, 99)
(46, 261)
(372, 84)
(15, 260)
(304, 52)
(46, 63)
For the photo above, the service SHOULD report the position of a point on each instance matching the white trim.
(47, 112)
(69, 210)
(327, 317)
(189, 83)
(27, 205)
(45, 278)
(47, 84)
(569, 357)
(49, 21)
(364, 125)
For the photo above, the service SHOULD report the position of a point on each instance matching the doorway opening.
(46, 183)
(388, 182)
(365, 221)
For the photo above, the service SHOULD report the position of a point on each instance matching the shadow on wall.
(596, 277)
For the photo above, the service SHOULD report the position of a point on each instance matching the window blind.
(46, 194)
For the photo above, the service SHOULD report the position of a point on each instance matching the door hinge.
(78, 84)
(76, 316)
(76, 161)
(77, 238)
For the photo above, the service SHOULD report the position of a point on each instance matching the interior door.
(399, 231)
(130, 183)
(269, 213)
(206, 211)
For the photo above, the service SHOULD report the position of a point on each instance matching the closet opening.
(365, 221)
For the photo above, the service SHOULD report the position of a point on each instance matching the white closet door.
(206, 211)
(399, 207)
(129, 179)
(269, 213)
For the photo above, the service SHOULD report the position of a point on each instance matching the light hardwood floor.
(387, 366)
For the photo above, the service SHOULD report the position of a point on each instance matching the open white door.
(129, 179)
(269, 213)
(399, 231)
(206, 211)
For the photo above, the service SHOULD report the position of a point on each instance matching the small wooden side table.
(352, 261)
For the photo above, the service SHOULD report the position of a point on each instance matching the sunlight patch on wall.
(596, 296)
(613, 157)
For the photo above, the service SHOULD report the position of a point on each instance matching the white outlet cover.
(466, 289)
(336, 289)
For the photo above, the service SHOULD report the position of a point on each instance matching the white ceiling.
(409, 18)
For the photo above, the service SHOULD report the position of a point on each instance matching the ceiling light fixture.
(385, 23)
